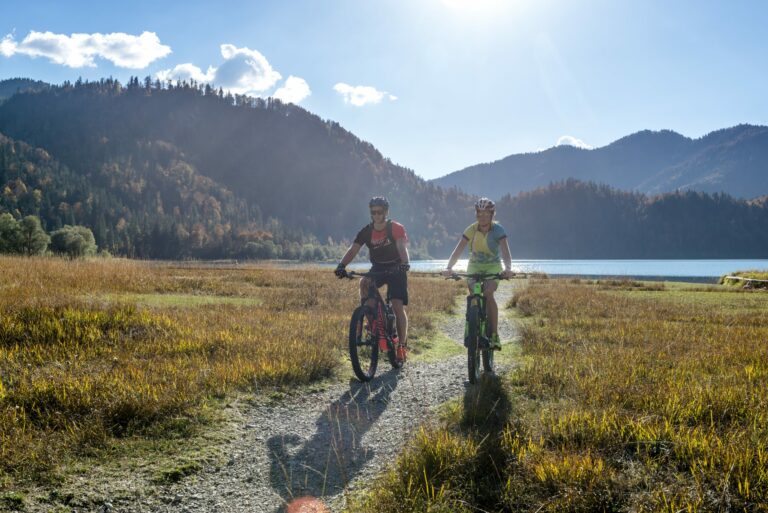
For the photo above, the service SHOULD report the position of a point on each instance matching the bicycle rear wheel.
(363, 346)
(473, 339)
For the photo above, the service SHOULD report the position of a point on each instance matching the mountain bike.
(476, 336)
(373, 328)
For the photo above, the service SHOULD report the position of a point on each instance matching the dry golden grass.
(631, 398)
(82, 363)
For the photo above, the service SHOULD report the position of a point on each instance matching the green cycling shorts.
(489, 268)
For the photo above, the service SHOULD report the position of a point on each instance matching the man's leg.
(364, 285)
(402, 320)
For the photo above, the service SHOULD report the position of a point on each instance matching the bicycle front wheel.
(473, 339)
(487, 355)
(363, 346)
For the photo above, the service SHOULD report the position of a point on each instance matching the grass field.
(96, 352)
(630, 398)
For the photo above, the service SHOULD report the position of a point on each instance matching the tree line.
(26, 236)
(584, 220)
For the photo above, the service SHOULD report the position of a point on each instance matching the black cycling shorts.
(396, 282)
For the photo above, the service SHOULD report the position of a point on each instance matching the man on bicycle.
(387, 245)
(485, 238)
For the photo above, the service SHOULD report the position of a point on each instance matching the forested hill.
(12, 86)
(575, 220)
(167, 160)
(732, 160)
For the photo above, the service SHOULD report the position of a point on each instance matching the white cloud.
(244, 71)
(294, 90)
(8, 46)
(361, 95)
(81, 50)
(569, 140)
(187, 72)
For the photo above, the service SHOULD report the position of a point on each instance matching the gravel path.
(323, 443)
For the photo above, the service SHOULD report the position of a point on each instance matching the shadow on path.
(325, 463)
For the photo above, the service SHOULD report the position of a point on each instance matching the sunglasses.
(377, 212)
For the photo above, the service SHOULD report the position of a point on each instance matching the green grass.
(97, 356)
(628, 399)
(755, 275)
(181, 300)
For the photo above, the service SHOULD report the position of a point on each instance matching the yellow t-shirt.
(484, 247)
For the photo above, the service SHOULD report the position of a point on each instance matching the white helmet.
(485, 204)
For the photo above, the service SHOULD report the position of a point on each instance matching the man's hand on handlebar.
(341, 271)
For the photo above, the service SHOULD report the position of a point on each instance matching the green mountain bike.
(476, 336)
(371, 330)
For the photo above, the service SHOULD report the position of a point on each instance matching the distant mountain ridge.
(185, 171)
(732, 160)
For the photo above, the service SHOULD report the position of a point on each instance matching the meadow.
(630, 397)
(94, 353)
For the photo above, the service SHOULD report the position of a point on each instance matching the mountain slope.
(310, 174)
(11, 86)
(731, 160)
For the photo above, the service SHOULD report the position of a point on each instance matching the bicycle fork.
(472, 301)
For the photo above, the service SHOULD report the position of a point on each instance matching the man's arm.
(350, 255)
(402, 249)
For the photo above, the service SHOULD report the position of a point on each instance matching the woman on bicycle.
(387, 245)
(485, 238)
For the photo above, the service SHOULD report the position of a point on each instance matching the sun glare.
(474, 5)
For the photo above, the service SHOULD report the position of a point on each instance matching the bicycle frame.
(373, 329)
(476, 338)
(382, 309)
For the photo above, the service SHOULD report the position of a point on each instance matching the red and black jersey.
(382, 244)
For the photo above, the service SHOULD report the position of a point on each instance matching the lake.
(685, 270)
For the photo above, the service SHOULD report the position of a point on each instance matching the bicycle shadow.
(325, 464)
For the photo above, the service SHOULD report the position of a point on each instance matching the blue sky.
(436, 85)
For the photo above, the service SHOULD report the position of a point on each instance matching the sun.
(474, 5)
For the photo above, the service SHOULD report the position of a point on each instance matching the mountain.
(732, 160)
(187, 171)
(271, 163)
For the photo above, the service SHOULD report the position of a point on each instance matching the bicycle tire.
(363, 344)
(487, 357)
(473, 351)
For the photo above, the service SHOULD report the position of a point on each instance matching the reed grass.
(632, 398)
(95, 351)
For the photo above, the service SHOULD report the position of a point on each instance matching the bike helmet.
(379, 201)
(485, 204)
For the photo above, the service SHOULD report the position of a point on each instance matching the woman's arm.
(506, 256)
(457, 251)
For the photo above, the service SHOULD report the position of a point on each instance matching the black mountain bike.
(373, 329)
(476, 336)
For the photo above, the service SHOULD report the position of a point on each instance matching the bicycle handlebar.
(370, 274)
(476, 276)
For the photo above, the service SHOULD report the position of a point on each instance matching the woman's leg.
(491, 309)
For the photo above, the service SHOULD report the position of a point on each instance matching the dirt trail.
(323, 443)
